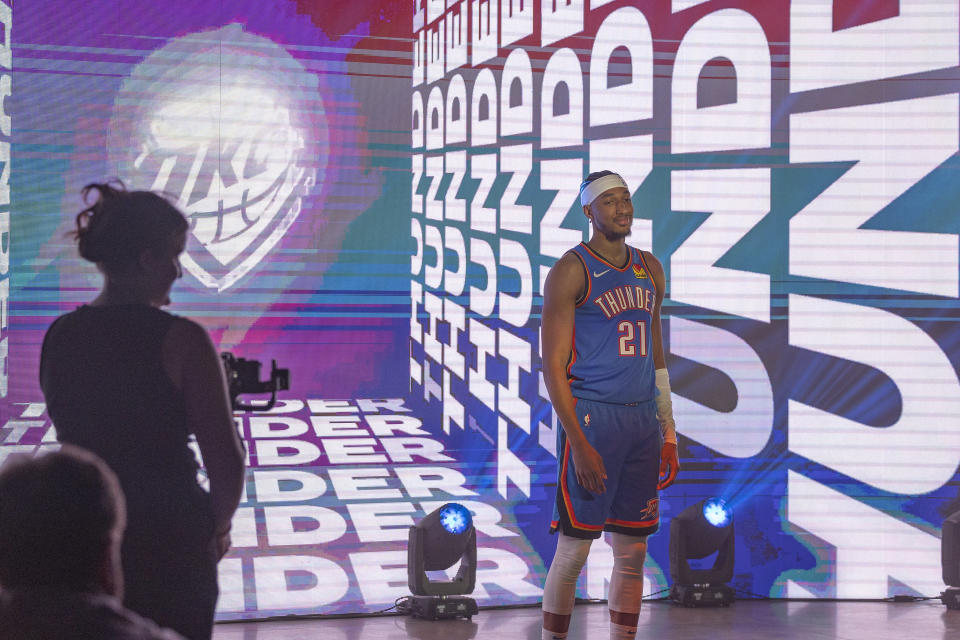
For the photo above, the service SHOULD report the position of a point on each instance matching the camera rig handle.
(243, 376)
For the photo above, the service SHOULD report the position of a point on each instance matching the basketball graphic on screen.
(231, 128)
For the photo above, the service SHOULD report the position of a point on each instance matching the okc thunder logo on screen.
(226, 124)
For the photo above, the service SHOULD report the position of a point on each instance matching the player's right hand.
(589, 468)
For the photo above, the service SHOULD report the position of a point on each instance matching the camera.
(243, 376)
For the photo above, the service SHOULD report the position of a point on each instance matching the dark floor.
(745, 620)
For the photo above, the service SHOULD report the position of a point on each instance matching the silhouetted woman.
(131, 382)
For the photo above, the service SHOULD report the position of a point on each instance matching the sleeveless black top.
(106, 390)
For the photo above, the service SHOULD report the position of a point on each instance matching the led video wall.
(377, 192)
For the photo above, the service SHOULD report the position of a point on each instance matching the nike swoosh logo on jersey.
(597, 275)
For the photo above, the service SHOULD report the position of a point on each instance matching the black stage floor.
(745, 620)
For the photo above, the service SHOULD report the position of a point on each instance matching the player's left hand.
(669, 465)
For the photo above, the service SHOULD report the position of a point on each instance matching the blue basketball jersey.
(612, 357)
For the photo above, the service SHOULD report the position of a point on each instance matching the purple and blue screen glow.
(376, 195)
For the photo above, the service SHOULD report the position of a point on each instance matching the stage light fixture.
(716, 512)
(950, 561)
(701, 530)
(436, 543)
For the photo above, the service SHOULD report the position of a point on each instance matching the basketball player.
(604, 368)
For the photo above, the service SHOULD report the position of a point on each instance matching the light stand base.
(702, 595)
(951, 598)
(442, 607)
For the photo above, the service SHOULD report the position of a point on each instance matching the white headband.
(592, 190)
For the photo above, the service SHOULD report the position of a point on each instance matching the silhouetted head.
(62, 517)
(133, 236)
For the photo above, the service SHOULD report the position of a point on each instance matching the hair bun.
(119, 225)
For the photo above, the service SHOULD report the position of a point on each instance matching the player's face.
(612, 213)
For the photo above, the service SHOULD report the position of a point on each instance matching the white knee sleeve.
(560, 591)
(626, 584)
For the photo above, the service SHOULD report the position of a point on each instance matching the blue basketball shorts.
(628, 439)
